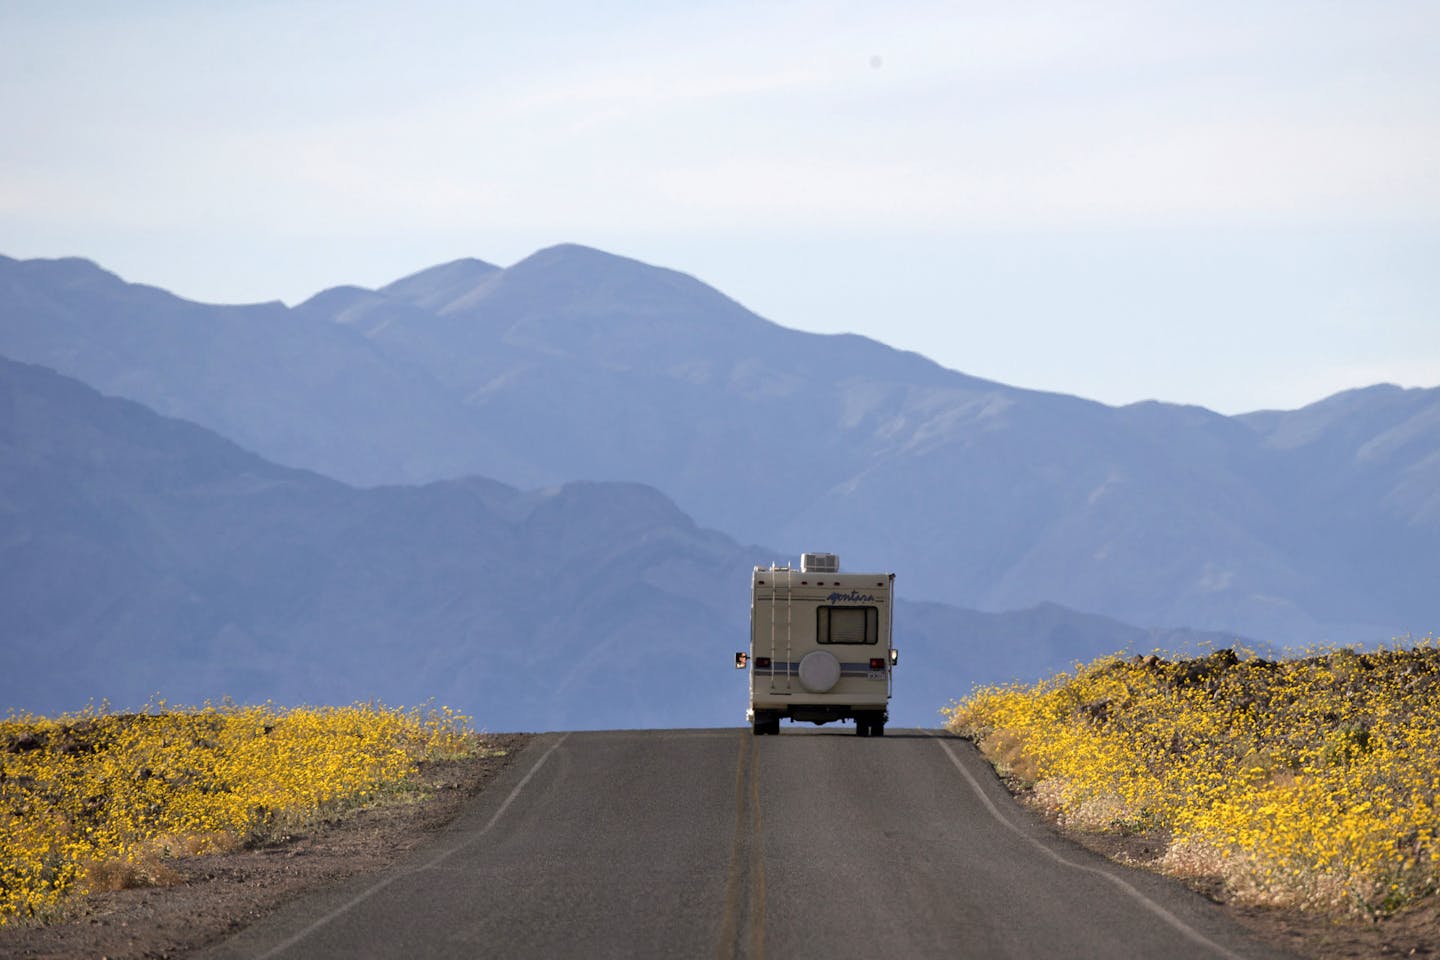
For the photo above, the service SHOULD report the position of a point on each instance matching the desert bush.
(100, 801)
(1307, 782)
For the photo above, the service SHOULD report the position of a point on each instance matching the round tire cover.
(819, 671)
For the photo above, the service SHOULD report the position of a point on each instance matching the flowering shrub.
(98, 800)
(1309, 782)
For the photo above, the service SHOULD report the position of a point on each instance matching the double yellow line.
(747, 847)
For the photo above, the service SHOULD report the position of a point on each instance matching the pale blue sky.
(1234, 204)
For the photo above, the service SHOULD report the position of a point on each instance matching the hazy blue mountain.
(1299, 527)
(309, 394)
(148, 556)
(978, 493)
(1359, 477)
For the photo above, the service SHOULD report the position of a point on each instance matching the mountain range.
(1295, 527)
(148, 557)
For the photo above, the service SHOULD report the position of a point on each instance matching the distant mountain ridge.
(145, 556)
(1295, 527)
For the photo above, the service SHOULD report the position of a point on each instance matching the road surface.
(717, 843)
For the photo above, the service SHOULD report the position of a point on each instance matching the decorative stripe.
(861, 669)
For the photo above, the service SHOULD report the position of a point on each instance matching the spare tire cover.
(819, 671)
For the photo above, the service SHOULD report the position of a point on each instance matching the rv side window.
(847, 625)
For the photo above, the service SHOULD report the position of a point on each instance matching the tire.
(819, 671)
(862, 727)
(877, 729)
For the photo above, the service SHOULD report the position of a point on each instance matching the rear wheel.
(869, 727)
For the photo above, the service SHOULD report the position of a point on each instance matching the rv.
(820, 645)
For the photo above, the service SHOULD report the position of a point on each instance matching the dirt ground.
(218, 894)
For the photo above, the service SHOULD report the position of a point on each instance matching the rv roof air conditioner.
(819, 563)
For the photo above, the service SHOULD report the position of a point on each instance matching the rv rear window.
(847, 625)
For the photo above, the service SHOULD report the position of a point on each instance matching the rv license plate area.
(875, 675)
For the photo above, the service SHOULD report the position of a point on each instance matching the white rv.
(820, 645)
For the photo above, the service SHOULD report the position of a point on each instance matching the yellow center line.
(746, 869)
(725, 949)
(757, 864)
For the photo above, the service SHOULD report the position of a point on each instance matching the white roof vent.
(819, 563)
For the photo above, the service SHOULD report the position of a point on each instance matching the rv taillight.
(763, 663)
(876, 663)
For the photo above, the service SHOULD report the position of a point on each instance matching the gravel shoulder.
(218, 894)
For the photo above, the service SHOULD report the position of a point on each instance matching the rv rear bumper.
(818, 713)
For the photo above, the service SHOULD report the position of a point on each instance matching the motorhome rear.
(820, 645)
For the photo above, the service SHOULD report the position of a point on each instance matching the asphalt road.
(717, 843)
